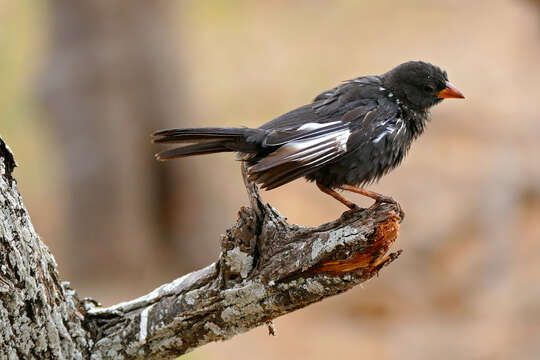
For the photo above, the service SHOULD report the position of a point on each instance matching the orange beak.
(450, 92)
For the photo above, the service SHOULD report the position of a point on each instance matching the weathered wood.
(266, 268)
(39, 316)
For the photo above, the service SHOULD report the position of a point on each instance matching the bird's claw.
(383, 199)
(386, 199)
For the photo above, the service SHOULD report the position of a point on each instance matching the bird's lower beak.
(450, 92)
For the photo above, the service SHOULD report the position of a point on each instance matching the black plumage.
(347, 137)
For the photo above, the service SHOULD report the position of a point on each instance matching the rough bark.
(267, 268)
(39, 315)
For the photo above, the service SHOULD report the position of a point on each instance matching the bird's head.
(419, 85)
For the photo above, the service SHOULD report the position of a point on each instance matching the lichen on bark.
(39, 316)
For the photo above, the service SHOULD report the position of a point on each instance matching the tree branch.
(40, 317)
(267, 268)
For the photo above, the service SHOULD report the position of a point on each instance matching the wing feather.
(307, 152)
(281, 137)
(288, 172)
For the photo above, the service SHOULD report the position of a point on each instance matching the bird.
(344, 140)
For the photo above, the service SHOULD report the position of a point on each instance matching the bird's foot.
(383, 199)
(379, 198)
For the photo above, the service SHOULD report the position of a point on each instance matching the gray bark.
(40, 318)
(267, 268)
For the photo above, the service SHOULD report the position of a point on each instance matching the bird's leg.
(379, 198)
(338, 197)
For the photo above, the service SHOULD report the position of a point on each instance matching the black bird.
(346, 138)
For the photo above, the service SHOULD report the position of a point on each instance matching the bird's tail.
(208, 140)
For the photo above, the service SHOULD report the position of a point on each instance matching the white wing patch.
(336, 140)
(307, 152)
(390, 129)
(315, 126)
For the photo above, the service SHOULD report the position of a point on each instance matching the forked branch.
(267, 268)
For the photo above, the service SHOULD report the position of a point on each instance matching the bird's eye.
(429, 88)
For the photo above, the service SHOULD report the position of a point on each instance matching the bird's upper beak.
(450, 92)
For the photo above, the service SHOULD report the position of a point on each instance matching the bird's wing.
(330, 105)
(303, 150)
(348, 96)
(309, 131)
(300, 155)
(315, 135)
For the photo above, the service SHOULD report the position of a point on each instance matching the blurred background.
(85, 82)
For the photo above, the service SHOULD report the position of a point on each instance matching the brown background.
(467, 285)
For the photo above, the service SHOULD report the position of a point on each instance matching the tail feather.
(190, 150)
(200, 134)
(208, 140)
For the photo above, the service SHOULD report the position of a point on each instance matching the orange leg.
(371, 194)
(379, 198)
(338, 197)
